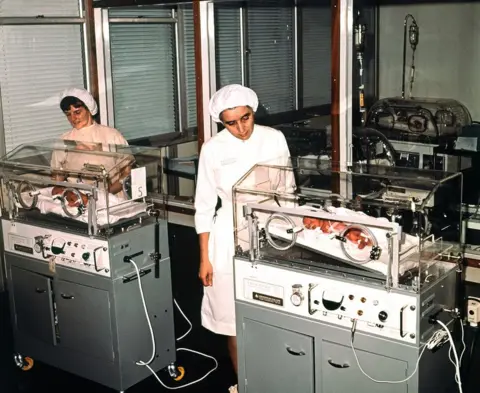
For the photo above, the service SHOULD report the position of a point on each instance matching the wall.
(447, 54)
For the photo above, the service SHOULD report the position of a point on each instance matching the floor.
(188, 293)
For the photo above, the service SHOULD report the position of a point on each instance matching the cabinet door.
(277, 360)
(84, 319)
(340, 371)
(33, 305)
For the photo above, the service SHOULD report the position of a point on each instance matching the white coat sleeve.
(206, 192)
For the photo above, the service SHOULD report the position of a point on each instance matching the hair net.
(84, 96)
(232, 96)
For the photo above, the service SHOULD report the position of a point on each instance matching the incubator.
(89, 187)
(394, 226)
(83, 248)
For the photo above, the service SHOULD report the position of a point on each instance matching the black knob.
(382, 315)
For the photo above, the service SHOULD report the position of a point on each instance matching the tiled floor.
(188, 293)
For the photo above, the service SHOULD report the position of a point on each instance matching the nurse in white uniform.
(224, 159)
(80, 107)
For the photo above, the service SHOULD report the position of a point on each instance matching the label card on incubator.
(464, 143)
(139, 182)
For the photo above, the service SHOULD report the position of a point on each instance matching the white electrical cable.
(154, 345)
(186, 319)
(455, 354)
(389, 382)
(190, 383)
(147, 364)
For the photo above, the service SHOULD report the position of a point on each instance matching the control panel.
(377, 311)
(57, 248)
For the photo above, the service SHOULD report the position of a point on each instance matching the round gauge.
(37, 247)
(296, 299)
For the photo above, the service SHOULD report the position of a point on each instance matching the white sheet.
(327, 244)
(46, 204)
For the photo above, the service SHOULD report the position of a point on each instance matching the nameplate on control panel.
(264, 292)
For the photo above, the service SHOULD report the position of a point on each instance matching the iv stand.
(413, 39)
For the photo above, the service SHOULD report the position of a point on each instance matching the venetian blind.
(37, 62)
(316, 55)
(271, 59)
(228, 48)
(26, 8)
(143, 78)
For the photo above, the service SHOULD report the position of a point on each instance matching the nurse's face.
(79, 117)
(239, 121)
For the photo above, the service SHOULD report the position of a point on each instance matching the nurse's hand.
(206, 273)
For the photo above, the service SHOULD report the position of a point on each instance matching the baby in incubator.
(354, 235)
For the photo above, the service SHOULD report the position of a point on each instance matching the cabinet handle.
(67, 297)
(40, 290)
(295, 353)
(402, 334)
(336, 365)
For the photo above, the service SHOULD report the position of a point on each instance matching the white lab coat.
(224, 159)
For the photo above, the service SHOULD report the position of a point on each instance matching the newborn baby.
(337, 227)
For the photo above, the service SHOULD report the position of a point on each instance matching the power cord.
(455, 354)
(154, 347)
(354, 325)
(436, 339)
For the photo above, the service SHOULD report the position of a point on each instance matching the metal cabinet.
(340, 371)
(282, 363)
(62, 313)
(84, 319)
(33, 302)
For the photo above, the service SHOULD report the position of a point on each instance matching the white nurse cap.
(231, 96)
(84, 96)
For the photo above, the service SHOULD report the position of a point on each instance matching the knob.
(86, 256)
(382, 315)
(297, 296)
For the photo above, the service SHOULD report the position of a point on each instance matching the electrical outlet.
(473, 311)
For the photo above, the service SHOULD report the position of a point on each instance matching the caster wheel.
(181, 373)
(28, 364)
(24, 363)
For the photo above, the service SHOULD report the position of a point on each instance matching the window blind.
(36, 64)
(26, 8)
(316, 55)
(228, 48)
(271, 60)
(189, 56)
(143, 78)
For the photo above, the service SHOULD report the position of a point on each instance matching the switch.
(382, 315)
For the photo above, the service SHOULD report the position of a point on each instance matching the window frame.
(104, 64)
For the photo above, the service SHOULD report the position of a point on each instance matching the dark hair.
(69, 101)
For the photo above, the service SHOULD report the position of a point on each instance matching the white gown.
(224, 159)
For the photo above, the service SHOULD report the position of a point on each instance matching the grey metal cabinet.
(84, 319)
(33, 302)
(340, 371)
(282, 363)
